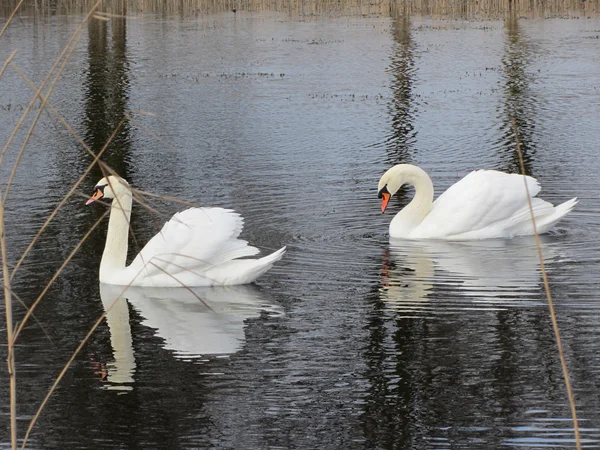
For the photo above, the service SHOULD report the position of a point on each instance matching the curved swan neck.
(115, 251)
(413, 213)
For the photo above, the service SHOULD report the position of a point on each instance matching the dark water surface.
(350, 341)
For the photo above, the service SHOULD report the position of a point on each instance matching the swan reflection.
(193, 323)
(491, 273)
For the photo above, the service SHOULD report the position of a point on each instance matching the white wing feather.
(482, 199)
(192, 242)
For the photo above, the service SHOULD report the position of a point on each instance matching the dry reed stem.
(25, 307)
(68, 195)
(55, 276)
(175, 278)
(13, 173)
(165, 197)
(84, 341)
(102, 18)
(67, 260)
(48, 76)
(10, 18)
(563, 361)
(7, 62)
(10, 360)
(114, 16)
(104, 167)
(150, 133)
(70, 361)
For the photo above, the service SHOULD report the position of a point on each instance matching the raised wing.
(194, 240)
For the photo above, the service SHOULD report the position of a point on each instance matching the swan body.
(485, 204)
(197, 247)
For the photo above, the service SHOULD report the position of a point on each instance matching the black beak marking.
(382, 191)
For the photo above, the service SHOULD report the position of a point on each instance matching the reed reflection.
(399, 143)
(193, 323)
(107, 92)
(520, 106)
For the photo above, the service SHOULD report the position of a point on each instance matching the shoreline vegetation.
(471, 9)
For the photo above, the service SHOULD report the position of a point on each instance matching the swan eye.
(384, 190)
(100, 188)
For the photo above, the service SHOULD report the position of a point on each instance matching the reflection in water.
(119, 373)
(402, 69)
(108, 92)
(193, 323)
(495, 273)
(449, 328)
(519, 105)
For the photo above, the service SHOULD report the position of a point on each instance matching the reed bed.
(104, 10)
(304, 8)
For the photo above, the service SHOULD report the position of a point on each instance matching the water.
(351, 341)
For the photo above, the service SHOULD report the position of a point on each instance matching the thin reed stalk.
(561, 353)
(10, 360)
(41, 88)
(68, 364)
(68, 195)
(10, 18)
(7, 62)
(73, 43)
(54, 277)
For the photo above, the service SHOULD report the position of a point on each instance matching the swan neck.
(115, 250)
(419, 207)
(423, 199)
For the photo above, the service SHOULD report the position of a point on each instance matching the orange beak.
(97, 194)
(385, 198)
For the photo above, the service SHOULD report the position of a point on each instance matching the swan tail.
(245, 270)
(544, 223)
(262, 265)
(234, 250)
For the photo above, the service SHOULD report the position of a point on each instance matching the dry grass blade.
(561, 353)
(25, 307)
(51, 107)
(54, 277)
(10, 18)
(182, 285)
(164, 197)
(104, 167)
(7, 62)
(67, 365)
(114, 16)
(73, 44)
(99, 17)
(67, 196)
(150, 133)
(71, 359)
(69, 128)
(54, 66)
(10, 360)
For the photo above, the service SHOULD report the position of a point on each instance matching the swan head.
(390, 182)
(399, 175)
(108, 188)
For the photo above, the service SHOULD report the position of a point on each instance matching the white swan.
(197, 247)
(485, 204)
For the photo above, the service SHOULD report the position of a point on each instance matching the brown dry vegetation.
(106, 9)
(456, 8)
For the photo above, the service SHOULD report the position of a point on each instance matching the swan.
(197, 247)
(485, 204)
